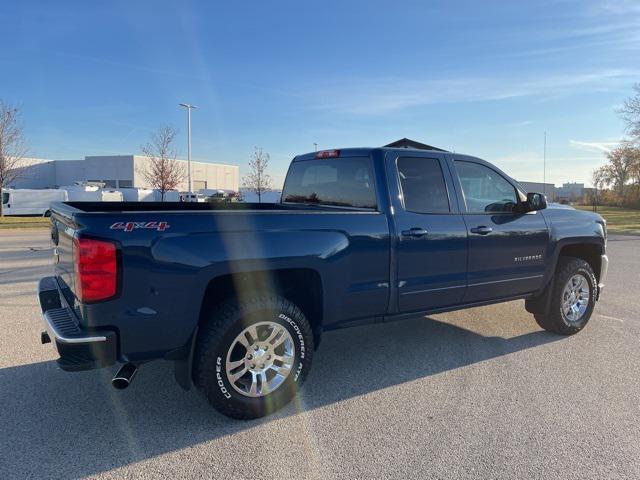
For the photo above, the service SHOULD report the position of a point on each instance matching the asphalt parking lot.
(482, 393)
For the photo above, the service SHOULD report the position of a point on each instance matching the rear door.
(431, 246)
(507, 249)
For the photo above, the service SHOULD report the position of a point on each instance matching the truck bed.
(116, 207)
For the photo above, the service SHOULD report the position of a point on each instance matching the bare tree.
(630, 113)
(598, 178)
(162, 171)
(12, 147)
(258, 180)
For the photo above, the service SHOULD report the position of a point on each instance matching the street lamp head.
(186, 105)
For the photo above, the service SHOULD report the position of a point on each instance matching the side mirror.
(535, 201)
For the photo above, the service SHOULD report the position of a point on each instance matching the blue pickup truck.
(238, 295)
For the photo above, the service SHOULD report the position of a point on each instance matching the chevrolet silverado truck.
(238, 295)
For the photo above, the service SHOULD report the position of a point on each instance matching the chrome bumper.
(78, 349)
(61, 327)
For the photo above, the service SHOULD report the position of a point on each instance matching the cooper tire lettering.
(223, 389)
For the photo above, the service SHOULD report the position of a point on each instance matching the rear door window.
(423, 187)
(343, 182)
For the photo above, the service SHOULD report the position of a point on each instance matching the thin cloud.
(528, 167)
(524, 123)
(615, 7)
(385, 95)
(605, 147)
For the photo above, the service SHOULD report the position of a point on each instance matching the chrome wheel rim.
(260, 359)
(575, 298)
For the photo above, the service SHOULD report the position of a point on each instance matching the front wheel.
(573, 297)
(253, 356)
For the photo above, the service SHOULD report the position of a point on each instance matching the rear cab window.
(339, 182)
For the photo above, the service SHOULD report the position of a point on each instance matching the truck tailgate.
(63, 231)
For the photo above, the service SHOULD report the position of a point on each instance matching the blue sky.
(484, 78)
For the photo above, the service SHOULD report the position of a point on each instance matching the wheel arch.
(588, 250)
(302, 286)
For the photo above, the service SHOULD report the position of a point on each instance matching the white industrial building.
(120, 171)
(571, 192)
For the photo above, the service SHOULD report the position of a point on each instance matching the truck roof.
(364, 151)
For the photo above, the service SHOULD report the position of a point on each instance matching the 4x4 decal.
(130, 226)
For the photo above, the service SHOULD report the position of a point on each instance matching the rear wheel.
(573, 297)
(252, 356)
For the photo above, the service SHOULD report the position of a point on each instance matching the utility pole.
(315, 146)
(189, 108)
(544, 166)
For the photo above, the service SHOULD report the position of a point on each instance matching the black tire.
(217, 336)
(556, 320)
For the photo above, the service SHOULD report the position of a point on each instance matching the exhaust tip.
(120, 383)
(124, 377)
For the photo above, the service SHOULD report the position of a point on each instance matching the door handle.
(414, 232)
(482, 230)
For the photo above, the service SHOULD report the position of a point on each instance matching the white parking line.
(611, 318)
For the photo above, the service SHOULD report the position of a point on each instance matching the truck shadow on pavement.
(63, 425)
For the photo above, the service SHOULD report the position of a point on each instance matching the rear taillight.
(96, 269)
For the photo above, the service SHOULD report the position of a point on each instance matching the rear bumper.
(78, 349)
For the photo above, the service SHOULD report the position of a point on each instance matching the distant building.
(120, 171)
(549, 189)
(570, 192)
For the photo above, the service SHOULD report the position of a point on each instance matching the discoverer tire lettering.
(300, 338)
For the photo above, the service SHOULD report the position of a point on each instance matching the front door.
(431, 245)
(507, 249)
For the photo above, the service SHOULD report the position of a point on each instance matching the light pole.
(188, 107)
(544, 166)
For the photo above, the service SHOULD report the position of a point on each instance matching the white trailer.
(83, 193)
(138, 195)
(192, 197)
(169, 196)
(110, 196)
(92, 193)
(23, 201)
